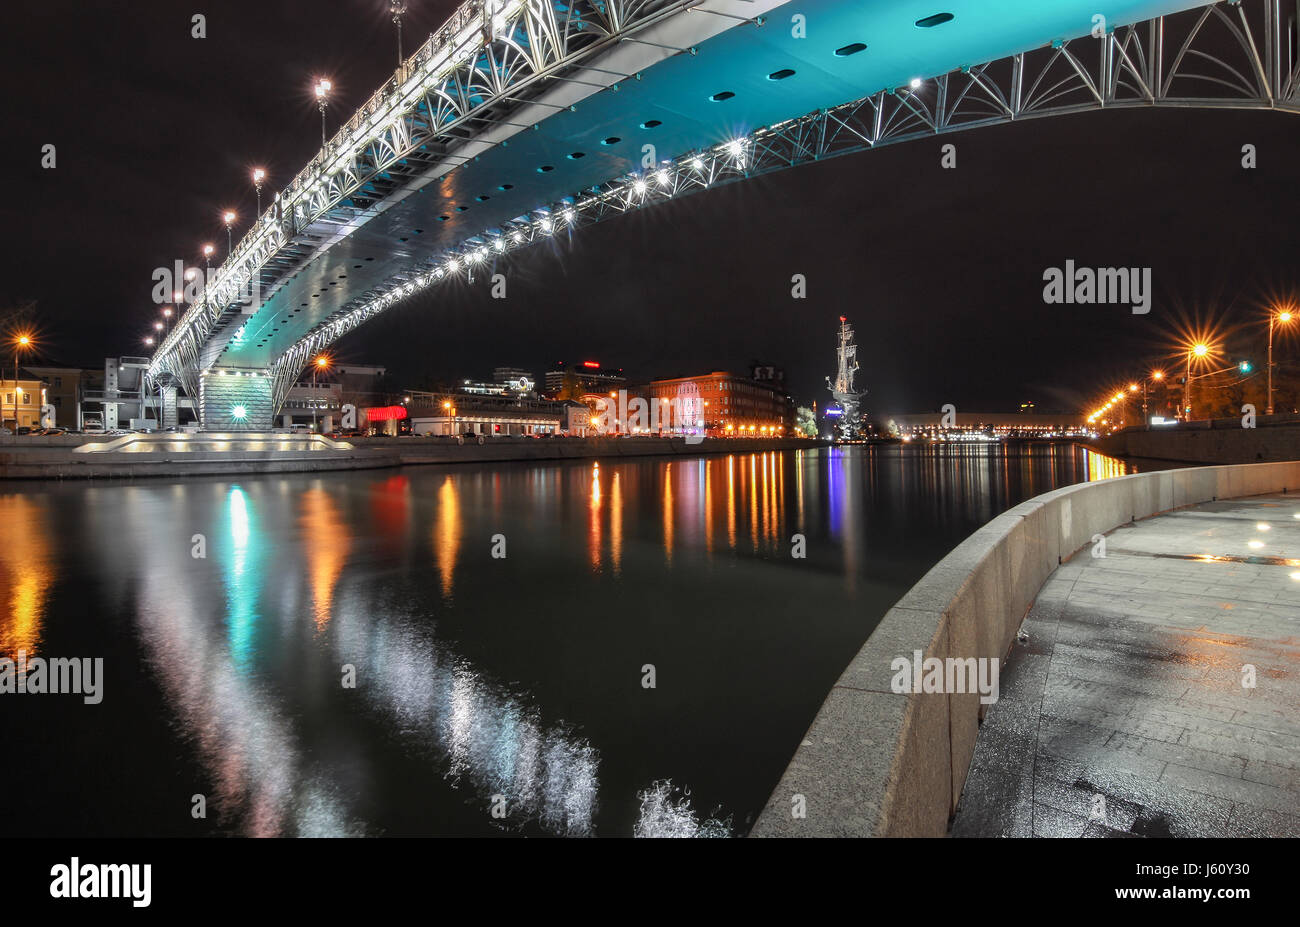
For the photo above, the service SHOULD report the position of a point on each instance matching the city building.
(122, 398)
(461, 413)
(22, 399)
(589, 377)
(64, 388)
(721, 403)
(987, 425)
(319, 399)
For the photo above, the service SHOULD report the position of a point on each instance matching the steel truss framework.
(1232, 54)
(490, 60)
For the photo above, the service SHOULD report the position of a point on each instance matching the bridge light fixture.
(662, 177)
(259, 177)
(499, 244)
(1157, 375)
(639, 187)
(158, 326)
(149, 342)
(568, 215)
(453, 265)
(239, 413)
(697, 164)
(547, 225)
(517, 237)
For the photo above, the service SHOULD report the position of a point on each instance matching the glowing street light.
(259, 177)
(1284, 316)
(22, 342)
(1198, 350)
(207, 255)
(228, 217)
(398, 8)
(322, 363)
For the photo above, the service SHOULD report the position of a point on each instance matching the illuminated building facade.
(723, 404)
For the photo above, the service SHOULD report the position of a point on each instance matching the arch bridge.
(524, 119)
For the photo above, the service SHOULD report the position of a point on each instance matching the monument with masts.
(846, 396)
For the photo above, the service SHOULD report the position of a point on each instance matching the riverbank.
(225, 454)
(883, 760)
(1217, 441)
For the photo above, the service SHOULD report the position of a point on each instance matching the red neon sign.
(386, 414)
(590, 364)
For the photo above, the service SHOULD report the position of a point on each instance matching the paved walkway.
(1124, 714)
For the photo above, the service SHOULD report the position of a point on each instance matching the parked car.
(23, 430)
(52, 432)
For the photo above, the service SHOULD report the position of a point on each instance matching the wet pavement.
(1157, 693)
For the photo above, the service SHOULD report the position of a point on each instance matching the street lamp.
(259, 176)
(397, 8)
(228, 217)
(322, 363)
(21, 343)
(207, 255)
(1198, 350)
(323, 88)
(1273, 318)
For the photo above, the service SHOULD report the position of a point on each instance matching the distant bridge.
(523, 119)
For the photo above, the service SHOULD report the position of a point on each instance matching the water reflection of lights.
(666, 813)
(27, 571)
(242, 584)
(263, 781)
(447, 533)
(667, 506)
(491, 738)
(326, 549)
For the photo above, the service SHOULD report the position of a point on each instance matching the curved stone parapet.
(880, 763)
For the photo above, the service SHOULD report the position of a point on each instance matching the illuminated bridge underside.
(1043, 61)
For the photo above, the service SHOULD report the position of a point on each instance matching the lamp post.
(397, 8)
(259, 176)
(228, 217)
(207, 255)
(1273, 318)
(21, 343)
(323, 88)
(1199, 349)
(322, 363)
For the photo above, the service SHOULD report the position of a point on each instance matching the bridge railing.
(442, 51)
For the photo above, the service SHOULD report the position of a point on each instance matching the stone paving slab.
(1123, 714)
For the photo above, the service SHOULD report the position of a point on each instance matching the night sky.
(940, 271)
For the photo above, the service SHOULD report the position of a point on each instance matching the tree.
(805, 422)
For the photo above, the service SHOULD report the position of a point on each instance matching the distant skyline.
(940, 271)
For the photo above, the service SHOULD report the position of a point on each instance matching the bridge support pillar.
(236, 399)
(169, 416)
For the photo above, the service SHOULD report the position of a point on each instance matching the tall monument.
(846, 396)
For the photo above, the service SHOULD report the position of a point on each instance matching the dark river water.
(490, 695)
